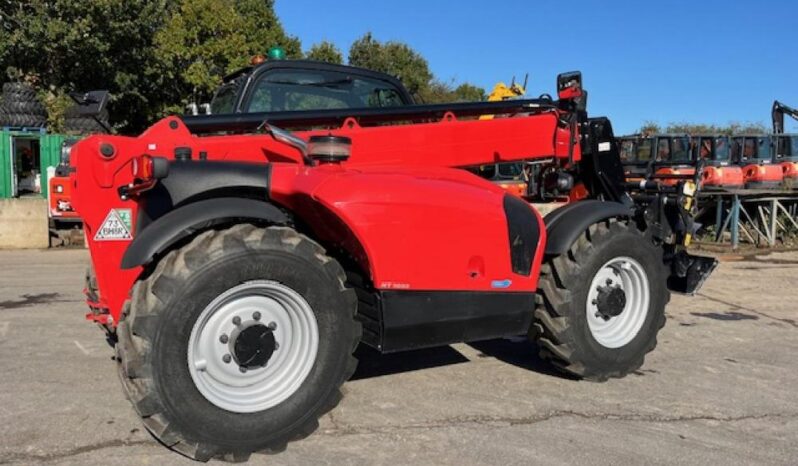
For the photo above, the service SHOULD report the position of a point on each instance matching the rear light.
(148, 168)
(142, 168)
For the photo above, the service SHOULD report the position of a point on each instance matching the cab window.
(680, 149)
(722, 149)
(783, 147)
(644, 150)
(764, 148)
(289, 90)
(627, 151)
(224, 100)
(663, 150)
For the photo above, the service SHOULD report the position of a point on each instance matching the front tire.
(602, 303)
(238, 342)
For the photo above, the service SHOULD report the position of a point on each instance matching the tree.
(325, 51)
(394, 58)
(468, 93)
(153, 55)
(731, 128)
(74, 45)
(650, 127)
(437, 92)
(204, 40)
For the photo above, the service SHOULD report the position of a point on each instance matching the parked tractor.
(719, 169)
(239, 264)
(756, 155)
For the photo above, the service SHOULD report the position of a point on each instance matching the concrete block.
(24, 224)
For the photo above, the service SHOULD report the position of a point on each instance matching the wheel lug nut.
(236, 320)
(227, 358)
(242, 369)
(276, 346)
(272, 325)
(609, 281)
(224, 338)
(256, 315)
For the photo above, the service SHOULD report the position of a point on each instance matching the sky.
(711, 62)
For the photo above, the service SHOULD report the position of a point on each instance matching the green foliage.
(398, 59)
(204, 40)
(649, 127)
(468, 93)
(437, 92)
(394, 58)
(153, 55)
(703, 128)
(325, 51)
(79, 45)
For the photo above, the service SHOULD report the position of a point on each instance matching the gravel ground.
(719, 388)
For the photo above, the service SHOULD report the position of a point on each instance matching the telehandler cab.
(238, 265)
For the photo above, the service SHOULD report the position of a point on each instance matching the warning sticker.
(116, 227)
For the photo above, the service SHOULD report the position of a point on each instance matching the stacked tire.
(76, 123)
(21, 108)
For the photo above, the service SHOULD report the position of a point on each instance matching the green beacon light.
(276, 53)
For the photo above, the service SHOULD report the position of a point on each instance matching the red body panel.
(430, 229)
(722, 177)
(789, 170)
(766, 174)
(396, 206)
(61, 202)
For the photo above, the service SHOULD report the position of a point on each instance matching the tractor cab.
(755, 155)
(787, 157)
(672, 158)
(636, 155)
(295, 85)
(719, 171)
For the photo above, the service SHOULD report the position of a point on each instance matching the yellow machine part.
(503, 92)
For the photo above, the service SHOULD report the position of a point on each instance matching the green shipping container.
(49, 148)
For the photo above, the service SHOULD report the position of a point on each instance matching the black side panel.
(601, 167)
(524, 231)
(420, 319)
(195, 180)
(197, 216)
(564, 225)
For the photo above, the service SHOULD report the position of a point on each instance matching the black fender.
(193, 180)
(564, 225)
(185, 221)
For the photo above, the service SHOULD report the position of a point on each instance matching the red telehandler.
(238, 264)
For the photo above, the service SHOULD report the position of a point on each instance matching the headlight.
(59, 188)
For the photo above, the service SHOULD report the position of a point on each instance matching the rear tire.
(158, 341)
(570, 331)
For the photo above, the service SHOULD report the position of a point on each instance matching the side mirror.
(90, 103)
(569, 85)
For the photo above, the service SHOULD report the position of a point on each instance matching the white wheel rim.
(295, 331)
(630, 276)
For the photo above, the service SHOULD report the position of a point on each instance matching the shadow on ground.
(517, 352)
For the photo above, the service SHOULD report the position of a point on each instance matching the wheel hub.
(253, 346)
(611, 301)
(617, 302)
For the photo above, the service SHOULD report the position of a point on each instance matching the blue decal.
(501, 283)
